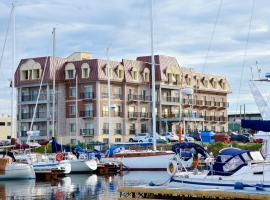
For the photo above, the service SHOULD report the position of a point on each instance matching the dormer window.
(35, 74)
(146, 74)
(70, 71)
(134, 73)
(188, 80)
(107, 69)
(85, 70)
(30, 70)
(120, 71)
(24, 75)
(177, 78)
(206, 82)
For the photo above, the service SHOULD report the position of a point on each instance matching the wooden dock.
(107, 169)
(150, 193)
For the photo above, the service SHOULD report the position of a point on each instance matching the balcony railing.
(118, 96)
(145, 115)
(30, 115)
(170, 115)
(87, 95)
(113, 114)
(133, 97)
(42, 132)
(132, 114)
(132, 132)
(171, 99)
(104, 95)
(87, 132)
(87, 113)
(33, 97)
(145, 98)
(192, 115)
(215, 118)
(105, 131)
(118, 131)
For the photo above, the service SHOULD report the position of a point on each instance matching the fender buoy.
(82, 157)
(59, 157)
(172, 167)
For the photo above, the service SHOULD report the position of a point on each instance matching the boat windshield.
(233, 164)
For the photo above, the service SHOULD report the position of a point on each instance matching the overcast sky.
(182, 28)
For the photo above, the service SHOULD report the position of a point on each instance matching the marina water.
(77, 186)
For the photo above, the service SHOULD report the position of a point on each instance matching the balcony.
(87, 132)
(145, 98)
(118, 96)
(145, 115)
(222, 105)
(133, 97)
(39, 115)
(192, 115)
(170, 115)
(113, 114)
(132, 132)
(42, 132)
(118, 131)
(87, 113)
(188, 102)
(87, 95)
(105, 131)
(104, 95)
(33, 97)
(132, 115)
(171, 99)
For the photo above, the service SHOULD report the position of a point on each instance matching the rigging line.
(245, 54)
(6, 35)
(212, 35)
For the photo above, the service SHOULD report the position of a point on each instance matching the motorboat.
(233, 168)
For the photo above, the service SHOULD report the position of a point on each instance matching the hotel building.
(130, 94)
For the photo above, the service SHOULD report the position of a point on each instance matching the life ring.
(59, 157)
(172, 167)
(82, 157)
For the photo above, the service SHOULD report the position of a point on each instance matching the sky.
(209, 36)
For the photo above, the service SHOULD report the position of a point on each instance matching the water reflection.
(82, 186)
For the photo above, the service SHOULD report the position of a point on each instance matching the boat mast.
(77, 119)
(12, 134)
(109, 96)
(53, 106)
(153, 80)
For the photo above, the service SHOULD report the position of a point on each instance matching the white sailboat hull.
(142, 163)
(17, 171)
(82, 166)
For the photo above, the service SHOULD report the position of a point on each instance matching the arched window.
(120, 71)
(134, 73)
(70, 71)
(85, 70)
(146, 74)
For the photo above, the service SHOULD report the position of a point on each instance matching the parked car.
(170, 136)
(141, 137)
(249, 136)
(222, 137)
(238, 137)
(188, 139)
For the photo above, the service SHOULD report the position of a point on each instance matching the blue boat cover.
(259, 125)
(58, 147)
(229, 161)
(189, 145)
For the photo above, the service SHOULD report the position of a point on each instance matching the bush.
(43, 149)
(216, 147)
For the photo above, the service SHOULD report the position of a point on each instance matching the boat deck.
(186, 192)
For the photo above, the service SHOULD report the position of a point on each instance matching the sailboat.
(140, 160)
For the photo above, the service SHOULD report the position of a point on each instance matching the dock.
(107, 169)
(185, 192)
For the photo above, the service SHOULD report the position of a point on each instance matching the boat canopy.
(58, 147)
(231, 160)
(196, 148)
(259, 125)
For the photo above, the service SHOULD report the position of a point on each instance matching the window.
(105, 140)
(72, 127)
(105, 110)
(35, 74)
(146, 74)
(132, 126)
(9, 123)
(206, 83)
(134, 73)
(118, 126)
(120, 71)
(107, 69)
(215, 84)
(2, 123)
(25, 75)
(143, 110)
(88, 91)
(72, 91)
(105, 128)
(143, 128)
(70, 71)
(72, 109)
(88, 107)
(117, 139)
(104, 91)
(85, 70)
